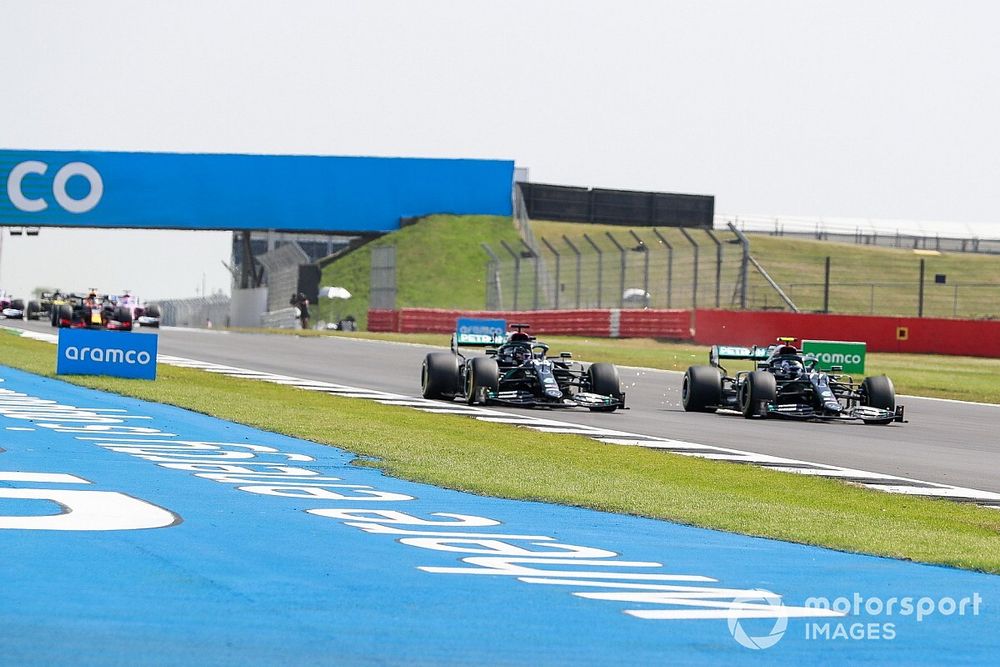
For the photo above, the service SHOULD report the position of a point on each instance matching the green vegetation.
(440, 260)
(960, 378)
(509, 462)
(441, 264)
(863, 279)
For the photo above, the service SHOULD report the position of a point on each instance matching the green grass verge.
(440, 263)
(863, 279)
(509, 462)
(938, 376)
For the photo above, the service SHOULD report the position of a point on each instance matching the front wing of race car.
(13, 313)
(863, 413)
(527, 399)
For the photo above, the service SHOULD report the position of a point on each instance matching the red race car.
(93, 312)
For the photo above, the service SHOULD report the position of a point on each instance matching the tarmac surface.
(944, 441)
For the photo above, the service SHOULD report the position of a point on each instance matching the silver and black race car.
(789, 385)
(518, 372)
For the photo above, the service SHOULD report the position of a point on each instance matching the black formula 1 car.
(519, 373)
(788, 385)
(91, 312)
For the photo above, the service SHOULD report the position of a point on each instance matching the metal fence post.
(920, 298)
(558, 284)
(535, 257)
(494, 297)
(718, 265)
(622, 267)
(600, 267)
(576, 251)
(644, 249)
(826, 285)
(694, 289)
(670, 266)
(517, 270)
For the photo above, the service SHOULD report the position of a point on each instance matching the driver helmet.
(790, 367)
(521, 354)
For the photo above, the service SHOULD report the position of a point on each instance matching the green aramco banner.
(829, 353)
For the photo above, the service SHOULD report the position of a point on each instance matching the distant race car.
(147, 315)
(46, 306)
(787, 384)
(91, 312)
(11, 308)
(519, 373)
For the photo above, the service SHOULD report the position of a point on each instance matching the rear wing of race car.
(477, 332)
(754, 353)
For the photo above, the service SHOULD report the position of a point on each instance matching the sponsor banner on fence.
(476, 331)
(89, 352)
(850, 356)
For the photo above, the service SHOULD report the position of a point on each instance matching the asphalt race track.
(944, 441)
(142, 534)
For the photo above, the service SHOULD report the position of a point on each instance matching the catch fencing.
(681, 268)
(910, 235)
(633, 268)
(198, 312)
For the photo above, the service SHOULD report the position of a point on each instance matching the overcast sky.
(870, 109)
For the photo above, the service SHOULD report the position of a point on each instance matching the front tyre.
(439, 375)
(64, 313)
(758, 387)
(481, 375)
(878, 391)
(604, 380)
(702, 389)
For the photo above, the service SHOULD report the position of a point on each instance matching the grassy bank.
(440, 263)
(505, 461)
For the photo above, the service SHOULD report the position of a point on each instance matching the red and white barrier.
(977, 338)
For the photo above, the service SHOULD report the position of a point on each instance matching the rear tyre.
(604, 380)
(878, 392)
(33, 311)
(123, 315)
(439, 375)
(482, 374)
(18, 304)
(702, 389)
(759, 386)
(152, 310)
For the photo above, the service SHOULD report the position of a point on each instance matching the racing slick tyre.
(439, 375)
(481, 375)
(122, 314)
(877, 391)
(758, 387)
(18, 304)
(34, 310)
(153, 310)
(63, 312)
(702, 389)
(604, 380)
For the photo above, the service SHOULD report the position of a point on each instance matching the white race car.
(11, 308)
(147, 315)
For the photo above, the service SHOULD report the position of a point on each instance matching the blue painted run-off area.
(212, 191)
(264, 567)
